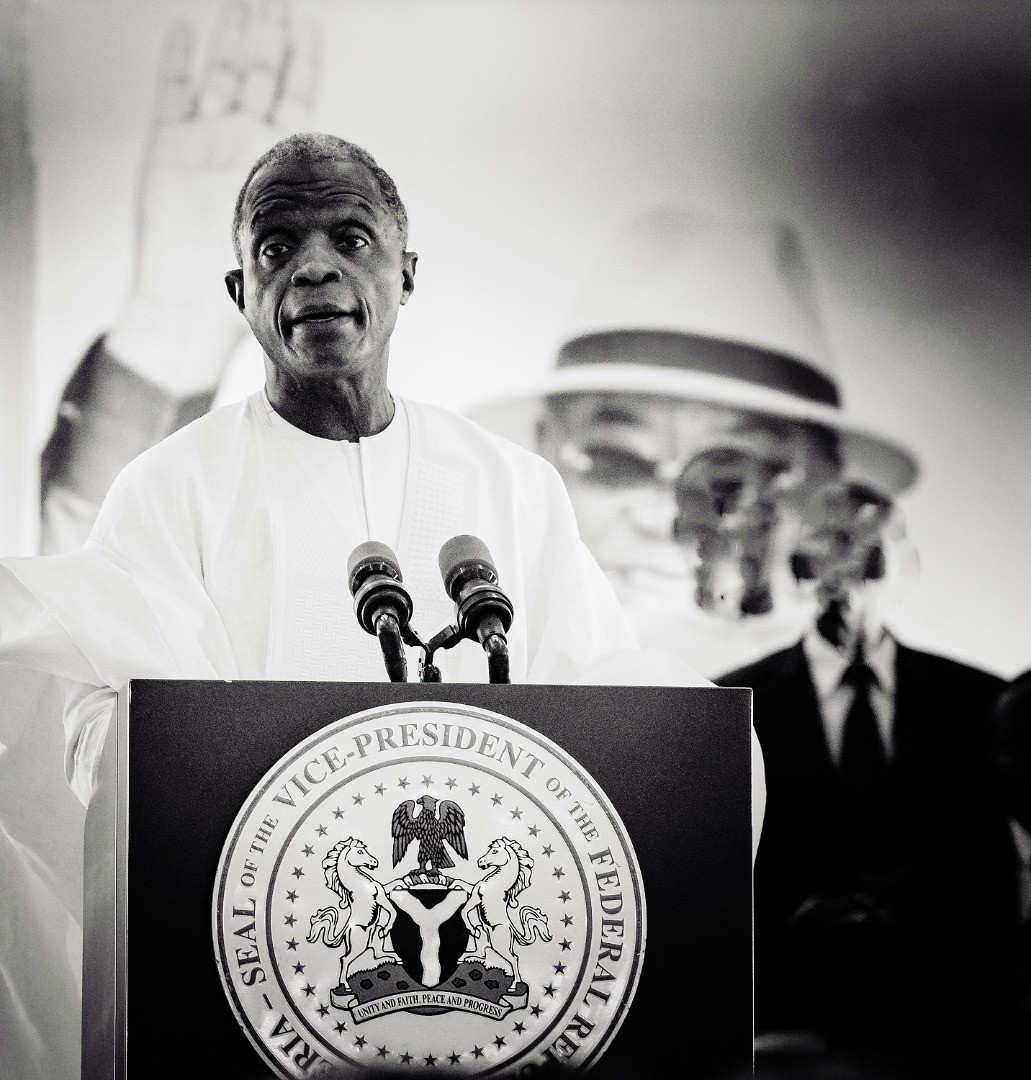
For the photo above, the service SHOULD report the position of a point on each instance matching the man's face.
(641, 511)
(324, 270)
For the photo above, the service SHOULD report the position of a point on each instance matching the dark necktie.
(863, 763)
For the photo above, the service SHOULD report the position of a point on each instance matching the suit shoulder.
(776, 666)
(951, 674)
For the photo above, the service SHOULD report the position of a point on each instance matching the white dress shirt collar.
(828, 662)
(827, 665)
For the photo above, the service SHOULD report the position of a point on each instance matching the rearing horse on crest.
(369, 913)
(488, 911)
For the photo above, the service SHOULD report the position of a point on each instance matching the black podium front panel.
(674, 763)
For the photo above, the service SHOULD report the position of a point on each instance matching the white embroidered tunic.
(222, 553)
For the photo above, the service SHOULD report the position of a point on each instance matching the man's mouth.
(324, 314)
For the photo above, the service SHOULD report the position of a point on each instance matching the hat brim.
(867, 457)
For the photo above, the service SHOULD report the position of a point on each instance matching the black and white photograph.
(667, 357)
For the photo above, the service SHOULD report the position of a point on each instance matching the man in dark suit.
(884, 888)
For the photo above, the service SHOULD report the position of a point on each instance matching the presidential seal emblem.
(428, 886)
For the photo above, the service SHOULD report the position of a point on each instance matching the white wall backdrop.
(521, 133)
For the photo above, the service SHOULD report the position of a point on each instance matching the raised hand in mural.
(256, 83)
(161, 363)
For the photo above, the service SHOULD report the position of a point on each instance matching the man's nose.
(317, 266)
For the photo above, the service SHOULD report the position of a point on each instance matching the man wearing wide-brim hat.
(696, 419)
(698, 341)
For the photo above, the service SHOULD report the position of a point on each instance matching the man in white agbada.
(222, 551)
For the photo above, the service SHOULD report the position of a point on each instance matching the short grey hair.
(317, 146)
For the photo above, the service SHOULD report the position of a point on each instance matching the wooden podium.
(187, 762)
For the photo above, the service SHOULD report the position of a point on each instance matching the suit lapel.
(795, 728)
(911, 706)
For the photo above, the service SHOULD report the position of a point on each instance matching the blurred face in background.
(687, 506)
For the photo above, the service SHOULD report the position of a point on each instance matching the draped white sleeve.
(222, 551)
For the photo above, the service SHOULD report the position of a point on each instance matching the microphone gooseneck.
(382, 604)
(483, 612)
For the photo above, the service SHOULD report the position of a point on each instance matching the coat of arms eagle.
(432, 826)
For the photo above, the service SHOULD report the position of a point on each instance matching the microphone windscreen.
(460, 552)
(374, 556)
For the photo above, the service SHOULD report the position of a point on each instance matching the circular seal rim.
(408, 707)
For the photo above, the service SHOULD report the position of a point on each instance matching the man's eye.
(354, 240)
(273, 249)
(610, 466)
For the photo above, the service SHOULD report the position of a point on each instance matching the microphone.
(483, 612)
(382, 604)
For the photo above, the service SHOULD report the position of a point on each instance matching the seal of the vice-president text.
(428, 887)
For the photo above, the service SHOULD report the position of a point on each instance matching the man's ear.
(408, 261)
(234, 283)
